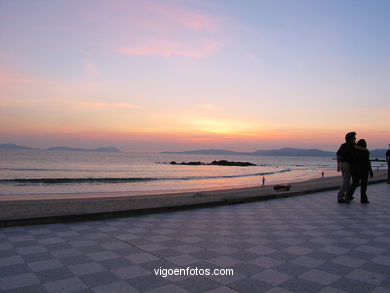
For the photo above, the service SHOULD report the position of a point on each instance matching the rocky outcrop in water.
(216, 163)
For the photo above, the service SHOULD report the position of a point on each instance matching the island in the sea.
(216, 163)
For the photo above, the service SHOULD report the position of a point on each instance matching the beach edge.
(57, 208)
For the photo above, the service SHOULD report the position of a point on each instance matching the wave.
(55, 181)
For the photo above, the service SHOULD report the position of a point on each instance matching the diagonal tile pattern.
(300, 244)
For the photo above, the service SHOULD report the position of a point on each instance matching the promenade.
(305, 243)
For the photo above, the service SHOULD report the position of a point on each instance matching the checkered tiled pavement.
(301, 244)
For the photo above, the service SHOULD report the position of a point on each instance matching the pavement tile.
(246, 269)
(45, 265)
(370, 249)
(337, 250)
(367, 276)
(99, 279)
(65, 285)
(301, 285)
(295, 244)
(197, 284)
(261, 250)
(350, 285)
(51, 240)
(348, 261)
(54, 274)
(182, 260)
(140, 258)
(117, 287)
(187, 248)
(331, 290)
(103, 255)
(82, 243)
(250, 285)
(86, 268)
(272, 277)
(10, 260)
(130, 272)
(278, 290)
(291, 268)
(307, 261)
(298, 250)
(266, 262)
(320, 277)
(62, 253)
(168, 288)
(380, 259)
(18, 281)
(31, 249)
(224, 261)
(222, 289)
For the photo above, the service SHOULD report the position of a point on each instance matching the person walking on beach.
(388, 165)
(344, 160)
(361, 168)
(263, 180)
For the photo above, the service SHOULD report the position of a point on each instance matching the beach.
(38, 208)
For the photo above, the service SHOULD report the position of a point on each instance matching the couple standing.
(353, 160)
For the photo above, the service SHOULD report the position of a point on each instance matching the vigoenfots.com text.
(166, 272)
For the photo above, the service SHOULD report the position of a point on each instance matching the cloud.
(90, 66)
(254, 58)
(166, 30)
(171, 48)
(184, 17)
(207, 107)
(109, 105)
(154, 15)
(9, 78)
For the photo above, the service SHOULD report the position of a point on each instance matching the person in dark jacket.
(344, 160)
(361, 168)
(388, 165)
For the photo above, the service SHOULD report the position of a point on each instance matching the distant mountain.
(103, 149)
(293, 152)
(276, 152)
(378, 153)
(12, 146)
(206, 152)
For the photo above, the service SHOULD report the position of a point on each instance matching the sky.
(194, 74)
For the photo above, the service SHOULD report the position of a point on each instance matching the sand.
(26, 209)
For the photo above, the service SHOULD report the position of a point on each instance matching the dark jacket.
(361, 162)
(346, 152)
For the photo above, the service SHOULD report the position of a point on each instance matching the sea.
(25, 172)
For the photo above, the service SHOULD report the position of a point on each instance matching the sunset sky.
(184, 75)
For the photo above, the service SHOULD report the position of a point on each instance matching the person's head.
(350, 136)
(362, 143)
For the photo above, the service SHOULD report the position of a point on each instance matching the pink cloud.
(167, 30)
(171, 48)
(90, 66)
(182, 16)
(156, 15)
(109, 105)
(8, 78)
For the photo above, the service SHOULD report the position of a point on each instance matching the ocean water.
(43, 172)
